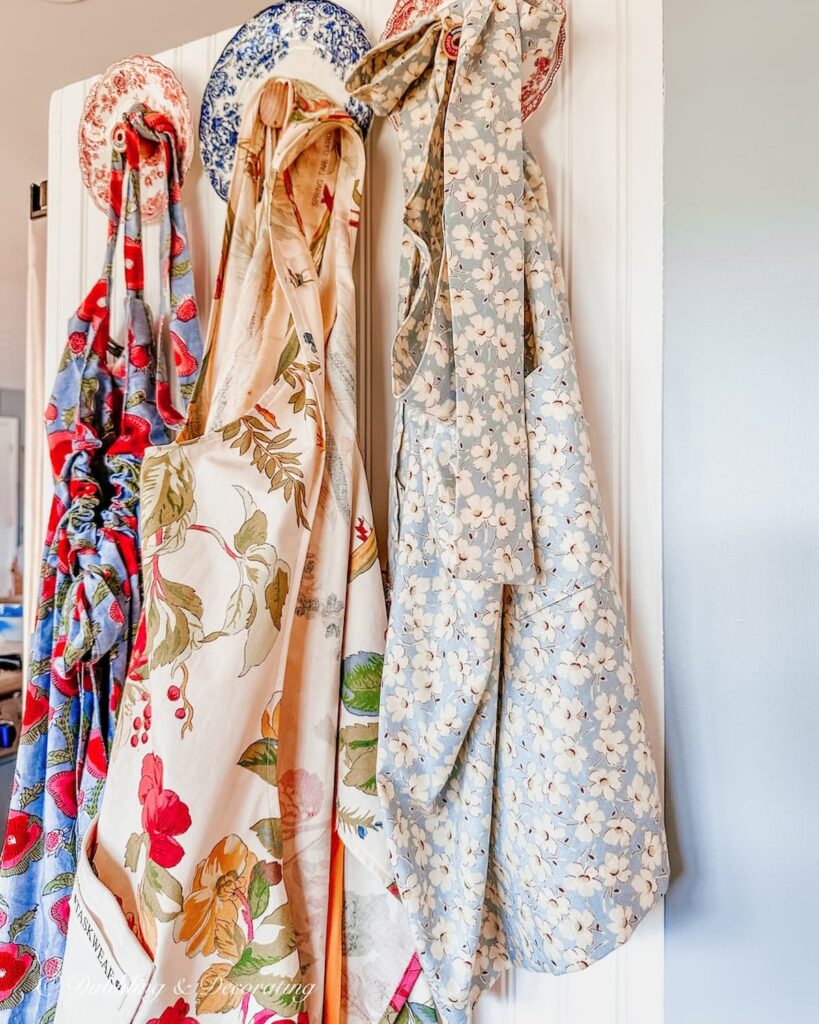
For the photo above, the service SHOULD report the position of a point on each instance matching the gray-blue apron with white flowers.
(523, 809)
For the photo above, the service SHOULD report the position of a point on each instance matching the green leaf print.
(137, 398)
(257, 956)
(160, 892)
(258, 891)
(230, 940)
(175, 642)
(133, 848)
(275, 594)
(181, 596)
(285, 996)
(269, 579)
(174, 622)
(59, 756)
(361, 683)
(359, 744)
(267, 446)
(280, 916)
(269, 832)
(289, 354)
(252, 531)
(262, 758)
(418, 1013)
(30, 792)
(239, 607)
(65, 880)
(19, 924)
(167, 489)
(352, 821)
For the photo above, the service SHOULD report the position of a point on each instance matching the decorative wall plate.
(539, 70)
(315, 40)
(138, 79)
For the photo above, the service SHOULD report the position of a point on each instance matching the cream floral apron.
(238, 871)
(522, 805)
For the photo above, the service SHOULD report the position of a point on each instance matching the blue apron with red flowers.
(109, 403)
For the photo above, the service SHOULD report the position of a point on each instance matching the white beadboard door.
(9, 496)
(598, 137)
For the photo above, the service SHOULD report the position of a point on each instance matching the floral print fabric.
(523, 811)
(257, 677)
(108, 403)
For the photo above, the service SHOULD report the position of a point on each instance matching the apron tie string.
(460, 350)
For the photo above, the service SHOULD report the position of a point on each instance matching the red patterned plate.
(138, 79)
(542, 58)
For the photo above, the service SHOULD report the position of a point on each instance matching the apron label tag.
(102, 954)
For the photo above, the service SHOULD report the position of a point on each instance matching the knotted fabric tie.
(453, 82)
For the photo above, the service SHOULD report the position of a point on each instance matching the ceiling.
(50, 45)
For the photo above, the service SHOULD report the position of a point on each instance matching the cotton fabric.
(241, 841)
(109, 402)
(523, 811)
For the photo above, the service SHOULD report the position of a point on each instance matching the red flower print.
(164, 404)
(48, 588)
(176, 1014)
(177, 244)
(362, 529)
(185, 363)
(15, 963)
(300, 794)
(266, 414)
(134, 276)
(96, 760)
(52, 967)
(54, 840)
(139, 661)
(164, 815)
(35, 711)
(139, 356)
(51, 412)
(186, 310)
(94, 303)
(60, 912)
(24, 835)
(115, 613)
(62, 788)
(76, 342)
(60, 446)
(135, 436)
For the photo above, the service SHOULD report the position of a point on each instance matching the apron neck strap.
(178, 312)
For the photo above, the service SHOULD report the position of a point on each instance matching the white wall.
(742, 509)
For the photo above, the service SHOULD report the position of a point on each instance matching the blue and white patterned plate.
(315, 40)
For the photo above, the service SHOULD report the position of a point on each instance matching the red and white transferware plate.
(143, 80)
(543, 23)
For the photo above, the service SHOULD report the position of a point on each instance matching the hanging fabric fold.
(106, 408)
(522, 807)
(240, 846)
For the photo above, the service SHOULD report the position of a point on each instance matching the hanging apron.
(218, 862)
(522, 804)
(106, 407)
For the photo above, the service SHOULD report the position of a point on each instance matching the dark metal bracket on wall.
(38, 200)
